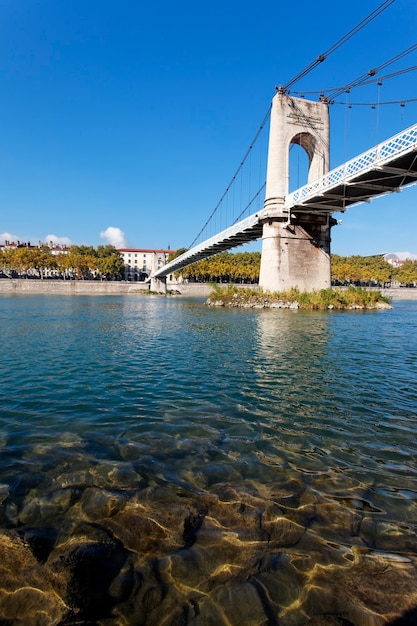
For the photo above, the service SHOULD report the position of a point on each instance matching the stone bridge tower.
(295, 245)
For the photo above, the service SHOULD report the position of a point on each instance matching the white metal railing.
(367, 160)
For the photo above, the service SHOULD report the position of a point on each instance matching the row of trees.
(372, 271)
(241, 267)
(353, 270)
(105, 262)
(80, 262)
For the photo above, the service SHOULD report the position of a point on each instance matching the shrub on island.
(352, 298)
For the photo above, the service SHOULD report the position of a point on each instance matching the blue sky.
(134, 115)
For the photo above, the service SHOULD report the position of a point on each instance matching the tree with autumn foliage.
(226, 267)
(244, 267)
(359, 270)
(82, 262)
(406, 273)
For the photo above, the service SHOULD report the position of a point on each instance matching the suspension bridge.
(295, 227)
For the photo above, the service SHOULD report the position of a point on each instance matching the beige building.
(139, 262)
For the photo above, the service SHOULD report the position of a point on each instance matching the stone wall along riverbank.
(97, 288)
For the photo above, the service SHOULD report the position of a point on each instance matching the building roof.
(144, 250)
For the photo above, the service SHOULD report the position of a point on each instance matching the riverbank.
(400, 293)
(97, 288)
(70, 287)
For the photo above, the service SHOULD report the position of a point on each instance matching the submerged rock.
(31, 593)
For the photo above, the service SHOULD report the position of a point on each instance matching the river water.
(167, 463)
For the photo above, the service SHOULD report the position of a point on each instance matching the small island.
(352, 298)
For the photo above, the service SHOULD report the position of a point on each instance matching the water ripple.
(289, 433)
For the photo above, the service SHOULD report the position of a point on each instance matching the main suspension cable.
(367, 20)
(322, 57)
(235, 175)
(347, 88)
(249, 204)
(361, 80)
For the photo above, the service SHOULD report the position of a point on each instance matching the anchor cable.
(322, 57)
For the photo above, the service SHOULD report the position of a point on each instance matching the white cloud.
(406, 255)
(114, 236)
(8, 237)
(65, 241)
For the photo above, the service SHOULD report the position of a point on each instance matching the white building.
(139, 262)
(393, 260)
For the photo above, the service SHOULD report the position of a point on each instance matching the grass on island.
(323, 299)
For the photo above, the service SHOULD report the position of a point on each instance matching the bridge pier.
(159, 285)
(296, 254)
(295, 244)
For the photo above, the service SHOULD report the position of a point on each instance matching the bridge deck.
(386, 168)
(242, 232)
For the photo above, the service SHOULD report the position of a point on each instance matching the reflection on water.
(167, 463)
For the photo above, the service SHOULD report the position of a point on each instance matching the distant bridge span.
(386, 168)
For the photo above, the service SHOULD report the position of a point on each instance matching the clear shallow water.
(162, 462)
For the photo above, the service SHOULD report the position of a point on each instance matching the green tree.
(64, 265)
(42, 260)
(173, 255)
(23, 259)
(111, 266)
(82, 261)
(8, 261)
(240, 267)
